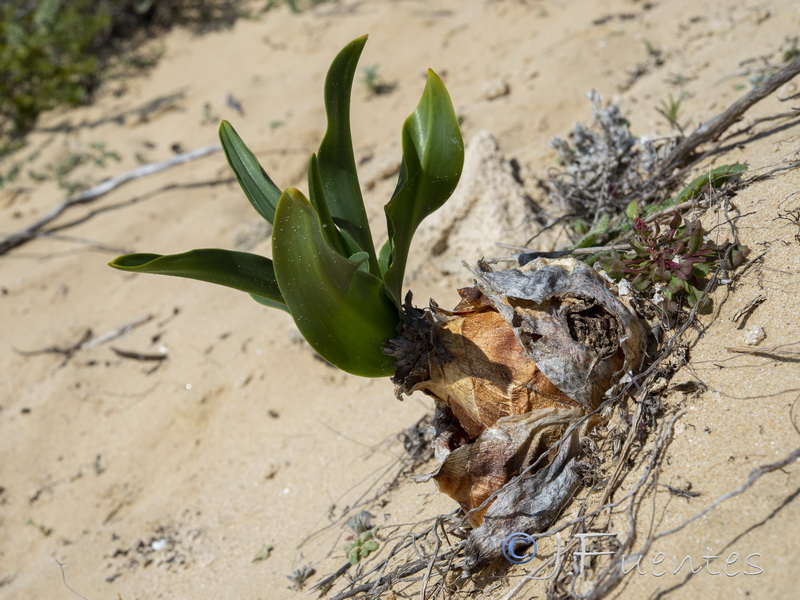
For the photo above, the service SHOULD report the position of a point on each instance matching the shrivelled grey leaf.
(528, 503)
(579, 334)
(516, 369)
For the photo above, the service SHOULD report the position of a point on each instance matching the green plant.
(293, 5)
(55, 52)
(372, 81)
(97, 154)
(526, 353)
(370, 78)
(679, 257)
(299, 577)
(670, 109)
(617, 229)
(47, 56)
(361, 546)
(345, 298)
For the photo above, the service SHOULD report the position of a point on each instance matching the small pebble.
(158, 544)
(754, 335)
(497, 88)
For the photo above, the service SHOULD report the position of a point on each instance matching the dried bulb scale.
(526, 354)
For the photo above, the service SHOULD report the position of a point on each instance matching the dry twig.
(31, 231)
(715, 127)
(87, 341)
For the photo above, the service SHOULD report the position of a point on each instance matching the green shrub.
(53, 52)
(47, 57)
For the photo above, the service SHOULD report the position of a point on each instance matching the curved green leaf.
(596, 233)
(433, 156)
(713, 177)
(269, 303)
(258, 187)
(385, 257)
(316, 194)
(340, 309)
(337, 164)
(243, 271)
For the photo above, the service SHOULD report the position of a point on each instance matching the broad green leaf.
(703, 270)
(675, 285)
(239, 270)
(433, 156)
(697, 297)
(337, 164)
(350, 243)
(258, 187)
(340, 309)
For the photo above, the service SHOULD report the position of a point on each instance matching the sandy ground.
(166, 479)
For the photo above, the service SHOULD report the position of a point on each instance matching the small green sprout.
(373, 82)
(360, 522)
(670, 109)
(362, 540)
(371, 78)
(361, 546)
(344, 296)
(300, 576)
(60, 171)
(651, 49)
(43, 529)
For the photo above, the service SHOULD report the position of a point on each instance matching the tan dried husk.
(514, 369)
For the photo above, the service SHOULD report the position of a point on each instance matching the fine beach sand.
(165, 479)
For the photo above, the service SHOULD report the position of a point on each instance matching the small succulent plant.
(299, 577)
(345, 298)
(681, 257)
(361, 521)
(361, 546)
(361, 543)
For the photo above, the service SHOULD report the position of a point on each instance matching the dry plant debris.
(523, 357)
(602, 168)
